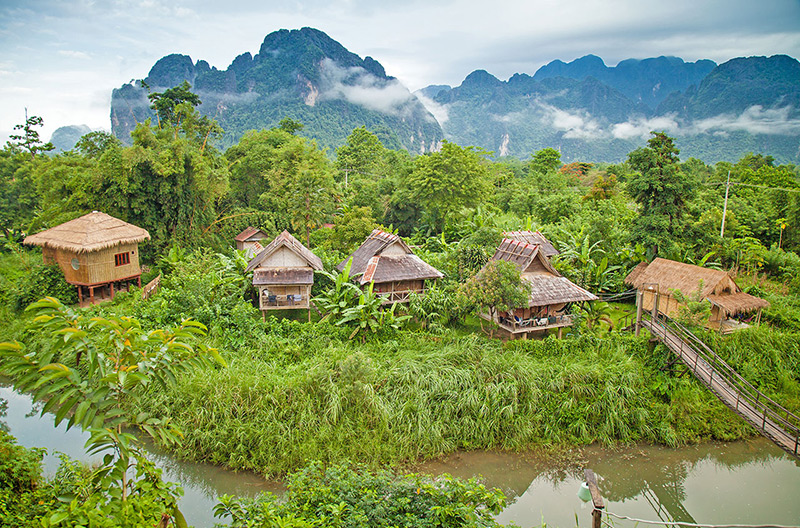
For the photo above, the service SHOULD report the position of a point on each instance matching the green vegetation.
(348, 496)
(362, 383)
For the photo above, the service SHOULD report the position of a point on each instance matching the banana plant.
(341, 295)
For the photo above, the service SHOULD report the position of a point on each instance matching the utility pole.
(725, 207)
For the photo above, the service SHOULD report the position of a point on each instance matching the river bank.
(738, 482)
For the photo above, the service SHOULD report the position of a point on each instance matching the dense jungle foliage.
(362, 384)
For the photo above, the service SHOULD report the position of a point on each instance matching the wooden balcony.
(515, 325)
(284, 302)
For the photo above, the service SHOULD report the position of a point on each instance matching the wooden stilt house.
(658, 281)
(551, 294)
(283, 272)
(98, 253)
(385, 260)
(251, 240)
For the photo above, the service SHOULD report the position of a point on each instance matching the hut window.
(120, 259)
(76, 264)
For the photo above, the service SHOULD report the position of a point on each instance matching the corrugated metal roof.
(283, 276)
(249, 232)
(375, 243)
(534, 238)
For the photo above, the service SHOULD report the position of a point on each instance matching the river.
(751, 482)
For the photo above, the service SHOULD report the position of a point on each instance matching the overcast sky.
(62, 58)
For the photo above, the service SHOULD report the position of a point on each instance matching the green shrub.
(351, 496)
(43, 281)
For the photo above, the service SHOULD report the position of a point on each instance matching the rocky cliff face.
(302, 74)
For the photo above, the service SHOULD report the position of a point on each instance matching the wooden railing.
(768, 416)
(151, 287)
(535, 323)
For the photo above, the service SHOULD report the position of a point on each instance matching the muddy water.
(749, 482)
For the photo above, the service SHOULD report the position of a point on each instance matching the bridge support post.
(638, 311)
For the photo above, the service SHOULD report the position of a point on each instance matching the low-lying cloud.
(438, 111)
(576, 124)
(358, 86)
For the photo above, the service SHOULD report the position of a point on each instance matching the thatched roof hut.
(534, 238)
(547, 285)
(251, 240)
(90, 232)
(283, 272)
(97, 253)
(388, 262)
(659, 280)
(550, 294)
(384, 257)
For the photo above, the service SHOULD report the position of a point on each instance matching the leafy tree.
(661, 189)
(362, 162)
(94, 144)
(604, 187)
(595, 313)
(166, 103)
(498, 287)
(545, 160)
(342, 294)
(290, 126)
(444, 182)
(695, 309)
(28, 140)
(86, 375)
(351, 228)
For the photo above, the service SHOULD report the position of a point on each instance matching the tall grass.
(422, 396)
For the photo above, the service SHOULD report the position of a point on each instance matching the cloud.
(641, 127)
(74, 54)
(577, 124)
(756, 120)
(439, 111)
(358, 86)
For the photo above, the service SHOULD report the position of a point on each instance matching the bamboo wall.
(96, 267)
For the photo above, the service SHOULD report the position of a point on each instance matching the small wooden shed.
(662, 277)
(251, 240)
(98, 253)
(385, 260)
(551, 294)
(283, 272)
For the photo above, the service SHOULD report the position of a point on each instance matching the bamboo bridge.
(767, 416)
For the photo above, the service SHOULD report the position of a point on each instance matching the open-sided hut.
(385, 260)
(98, 253)
(534, 238)
(658, 281)
(551, 294)
(251, 240)
(283, 272)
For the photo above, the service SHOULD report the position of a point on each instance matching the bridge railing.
(768, 408)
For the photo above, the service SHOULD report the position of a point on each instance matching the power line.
(694, 525)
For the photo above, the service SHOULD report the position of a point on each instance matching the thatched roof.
(670, 275)
(533, 238)
(373, 266)
(288, 276)
(390, 269)
(251, 233)
(717, 286)
(90, 232)
(736, 303)
(549, 289)
(547, 286)
(286, 240)
(633, 276)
